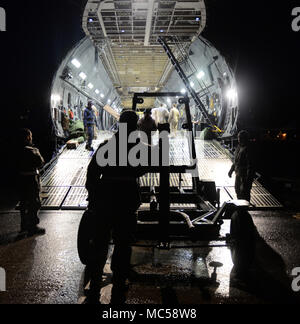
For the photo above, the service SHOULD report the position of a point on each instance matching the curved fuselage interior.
(82, 76)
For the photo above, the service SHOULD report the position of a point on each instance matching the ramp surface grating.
(64, 182)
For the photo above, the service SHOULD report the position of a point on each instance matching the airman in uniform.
(243, 168)
(29, 185)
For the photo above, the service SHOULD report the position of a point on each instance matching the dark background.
(256, 38)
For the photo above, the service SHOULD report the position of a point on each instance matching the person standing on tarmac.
(243, 167)
(30, 162)
(114, 198)
(89, 120)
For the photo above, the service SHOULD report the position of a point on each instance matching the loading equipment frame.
(164, 225)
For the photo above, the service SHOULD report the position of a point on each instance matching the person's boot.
(89, 148)
(118, 295)
(92, 299)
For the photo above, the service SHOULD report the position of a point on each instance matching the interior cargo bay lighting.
(82, 75)
(232, 94)
(97, 91)
(76, 63)
(200, 75)
(56, 98)
(90, 85)
(183, 91)
(102, 95)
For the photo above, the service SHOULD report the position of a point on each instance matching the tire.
(242, 232)
(85, 235)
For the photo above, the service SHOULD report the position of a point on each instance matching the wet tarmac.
(47, 270)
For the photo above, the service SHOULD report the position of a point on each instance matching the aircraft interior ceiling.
(121, 55)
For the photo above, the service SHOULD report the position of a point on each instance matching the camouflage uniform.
(30, 163)
(174, 120)
(243, 167)
(89, 120)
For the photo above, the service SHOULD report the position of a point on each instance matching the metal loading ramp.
(63, 184)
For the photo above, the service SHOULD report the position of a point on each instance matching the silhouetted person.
(114, 197)
(30, 161)
(147, 125)
(243, 167)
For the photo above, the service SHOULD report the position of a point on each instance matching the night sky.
(256, 38)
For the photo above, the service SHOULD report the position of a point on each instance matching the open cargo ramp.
(64, 182)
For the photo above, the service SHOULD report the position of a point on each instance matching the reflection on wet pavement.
(47, 270)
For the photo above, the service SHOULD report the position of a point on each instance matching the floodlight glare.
(55, 98)
(200, 75)
(82, 75)
(232, 94)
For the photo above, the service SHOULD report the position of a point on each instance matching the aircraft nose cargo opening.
(144, 46)
(147, 50)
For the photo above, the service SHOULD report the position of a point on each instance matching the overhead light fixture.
(192, 84)
(82, 75)
(169, 100)
(201, 75)
(122, 31)
(183, 91)
(97, 91)
(197, 19)
(109, 101)
(90, 85)
(91, 20)
(161, 30)
(76, 63)
(55, 98)
(102, 95)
